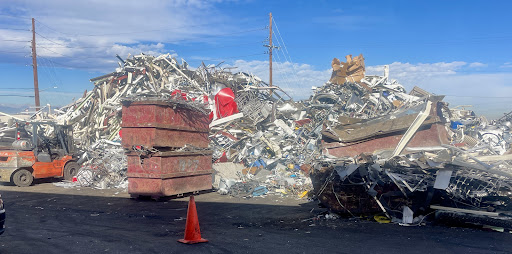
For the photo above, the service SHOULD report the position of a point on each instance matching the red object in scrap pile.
(225, 103)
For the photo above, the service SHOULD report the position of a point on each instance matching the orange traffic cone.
(192, 231)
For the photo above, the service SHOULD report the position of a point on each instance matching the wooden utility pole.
(270, 50)
(270, 47)
(34, 65)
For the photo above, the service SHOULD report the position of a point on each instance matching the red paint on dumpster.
(168, 187)
(181, 164)
(166, 126)
(157, 137)
(433, 135)
(161, 115)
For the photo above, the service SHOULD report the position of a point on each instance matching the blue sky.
(458, 48)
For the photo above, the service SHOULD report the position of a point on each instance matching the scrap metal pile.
(96, 117)
(403, 155)
(360, 144)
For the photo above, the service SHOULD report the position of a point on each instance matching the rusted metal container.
(163, 124)
(161, 114)
(169, 164)
(433, 135)
(169, 173)
(156, 188)
(166, 126)
(157, 137)
(384, 133)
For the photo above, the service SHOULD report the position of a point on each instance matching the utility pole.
(34, 65)
(270, 47)
(270, 51)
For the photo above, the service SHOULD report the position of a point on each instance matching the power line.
(79, 47)
(18, 88)
(14, 52)
(195, 50)
(280, 51)
(51, 28)
(50, 40)
(127, 32)
(75, 57)
(65, 65)
(48, 70)
(167, 42)
(215, 35)
(284, 45)
(14, 40)
(54, 52)
(280, 38)
(14, 95)
(224, 58)
(15, 29)
(287, 80)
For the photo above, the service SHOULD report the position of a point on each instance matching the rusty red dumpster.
(155, 133)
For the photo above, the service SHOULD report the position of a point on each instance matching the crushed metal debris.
(361, 144)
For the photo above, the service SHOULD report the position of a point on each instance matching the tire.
(70, 170)
(23, 178)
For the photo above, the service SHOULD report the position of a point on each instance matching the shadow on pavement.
(61, 223)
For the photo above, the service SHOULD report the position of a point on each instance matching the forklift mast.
(59, 141)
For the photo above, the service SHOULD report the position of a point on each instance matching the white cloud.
(477, 65)
(506, 65)
(407, 73)
(489, 93)
(94, 31)
(295, 79)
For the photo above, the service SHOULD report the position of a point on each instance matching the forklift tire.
(22, 178)
(70, 170)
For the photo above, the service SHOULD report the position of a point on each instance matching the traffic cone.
(192, 231)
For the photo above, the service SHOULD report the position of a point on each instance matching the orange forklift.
(41, 150)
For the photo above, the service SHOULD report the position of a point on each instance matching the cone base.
(192, 241)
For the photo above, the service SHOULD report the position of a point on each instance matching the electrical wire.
(217, 35)
(285, 52)
(209, 24)
(290, 70)
(15, 29)
(232, 57)
(281, 69)
(14, 40)
(14, 95)
(195, 50)
(14, 52)
(50, 27)
(146, 31)
(44, 37)
(75, 57)
(48, 70)
(65, 65)
(284, 45)
(167, 42)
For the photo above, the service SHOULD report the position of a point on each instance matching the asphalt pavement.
(44, 218)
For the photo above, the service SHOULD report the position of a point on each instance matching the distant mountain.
(13, 108)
